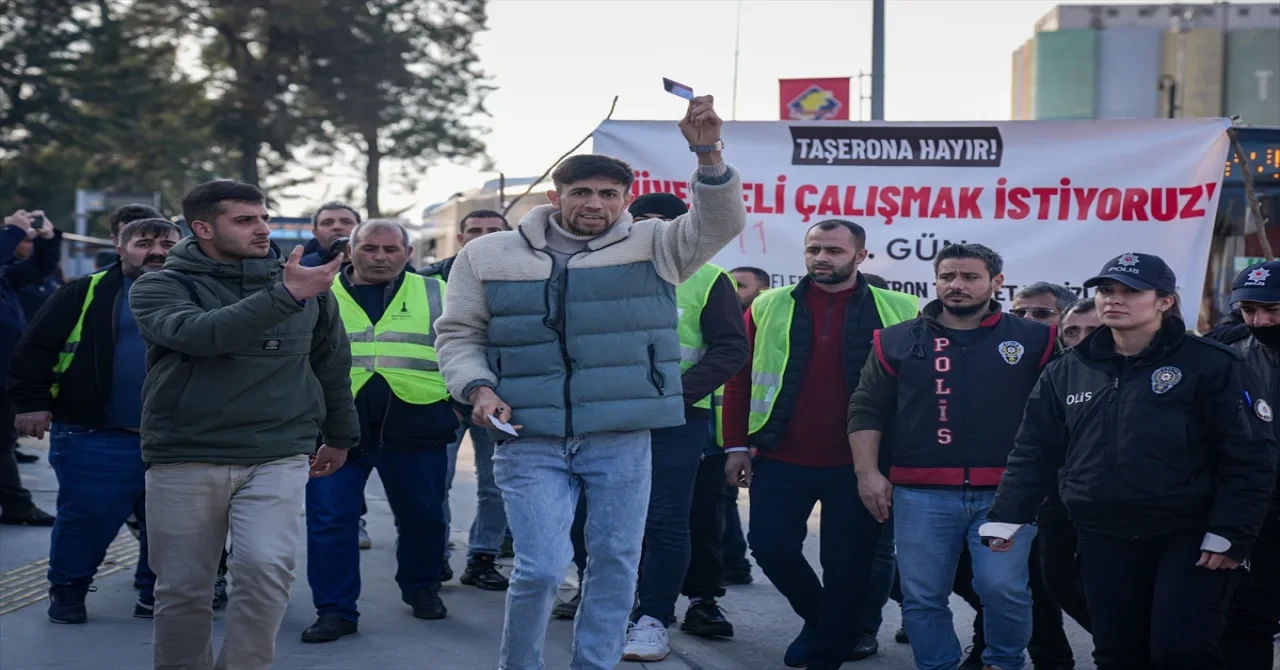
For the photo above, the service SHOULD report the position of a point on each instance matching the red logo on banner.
(814, 99)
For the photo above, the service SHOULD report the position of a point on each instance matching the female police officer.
(1255, 614)
(1166, 472)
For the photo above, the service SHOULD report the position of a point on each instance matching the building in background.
(1119, 61)
(438, 237)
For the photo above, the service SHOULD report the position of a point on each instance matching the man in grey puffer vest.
(566, 328)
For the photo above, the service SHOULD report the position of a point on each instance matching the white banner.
(1056, 199)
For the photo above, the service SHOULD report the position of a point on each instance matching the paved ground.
(389, 638)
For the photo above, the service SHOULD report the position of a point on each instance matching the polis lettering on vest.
(942, 365)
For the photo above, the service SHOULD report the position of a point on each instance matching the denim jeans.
(489, 527)
(414, 483)
(101, 481)
(783, 496)
(451, 468)
(931, 527)
(540, 480)
(677, 452)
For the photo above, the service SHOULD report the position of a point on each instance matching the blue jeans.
(931, 527)
(489, 527)
(883, 571)
(414, 483)
(677, 452)
(540, 480)
(101, 480)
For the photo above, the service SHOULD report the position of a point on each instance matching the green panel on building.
(1066, 65)
(1252, 89)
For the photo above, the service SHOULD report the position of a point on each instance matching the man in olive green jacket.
(248, 363)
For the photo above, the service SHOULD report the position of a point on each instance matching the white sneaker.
(647, 640)
(365, 542)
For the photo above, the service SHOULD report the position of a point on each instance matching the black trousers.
(706, 530)
(1049, 647)
(1058, 545)
(783, 496)
(1152, 607)
(1255, 615)
(14, 497)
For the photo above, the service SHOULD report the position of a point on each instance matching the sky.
(557, 65)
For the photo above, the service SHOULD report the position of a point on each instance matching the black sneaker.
(736, 577)
(706, 619)
(24, 458)
(446, 572)
(567, 609)
(33, 517)
(864, 646)
(482, 573)
(974, 660)
(145, 608)
(66, 603)
(508, 549)
(220, 592)
(901, 636)
(426, 604)
(328, 628)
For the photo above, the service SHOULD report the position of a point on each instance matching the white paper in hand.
(502, 426)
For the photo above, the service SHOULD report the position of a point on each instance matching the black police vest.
(959, 407)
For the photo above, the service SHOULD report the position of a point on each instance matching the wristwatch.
(707, 148)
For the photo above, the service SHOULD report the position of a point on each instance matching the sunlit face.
(1042, 308)
(479, 226)
(1077, 325)
(1121, 307)
(379, 255)
(590, 206)
(240, 231)
(748, 287)
(145, 253)
(965, 285)
(1260, 314)
(832, 256)
(332, 224)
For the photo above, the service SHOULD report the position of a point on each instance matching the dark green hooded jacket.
(248, 376)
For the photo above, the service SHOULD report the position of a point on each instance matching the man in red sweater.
(787, 408)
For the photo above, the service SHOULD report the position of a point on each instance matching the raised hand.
(302, 282)
(701, 124)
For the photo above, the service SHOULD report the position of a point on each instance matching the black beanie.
(665, 204)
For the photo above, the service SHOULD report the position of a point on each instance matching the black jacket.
(1149, 446)
(1264, 363)
(442, 268)
(14, 276)
(84, 387)
(724, 334)
(956, 397)
(389, 422)
(312, 253)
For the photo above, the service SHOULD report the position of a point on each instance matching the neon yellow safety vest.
(402, 345)
(691, 298)
(69, 347)
(772, 313)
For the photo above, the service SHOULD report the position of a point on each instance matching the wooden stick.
(1254, 206)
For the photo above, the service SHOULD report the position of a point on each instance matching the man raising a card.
(566, 329)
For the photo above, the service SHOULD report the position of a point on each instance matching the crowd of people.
(1087, 456)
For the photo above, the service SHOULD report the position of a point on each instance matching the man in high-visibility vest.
(787, 406)
(406, 420)
(77, 374)
(713, 345)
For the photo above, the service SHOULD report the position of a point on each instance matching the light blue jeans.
(540, 480)
(931, 527)
(490, 523)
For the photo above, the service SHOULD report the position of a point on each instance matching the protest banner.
(1055, 198)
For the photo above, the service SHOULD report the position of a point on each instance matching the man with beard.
(948, 389)
(77, 374)
(247, 360)
(1255, 615)
(786, 408)
(751, 283)
(333, 220)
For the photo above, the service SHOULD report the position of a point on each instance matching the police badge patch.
(1262, 409)
(1164, 379)
(1012, 352)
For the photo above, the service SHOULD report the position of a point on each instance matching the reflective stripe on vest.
(402, 346)
(772, 313)
(691, 298)
(69, 347)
